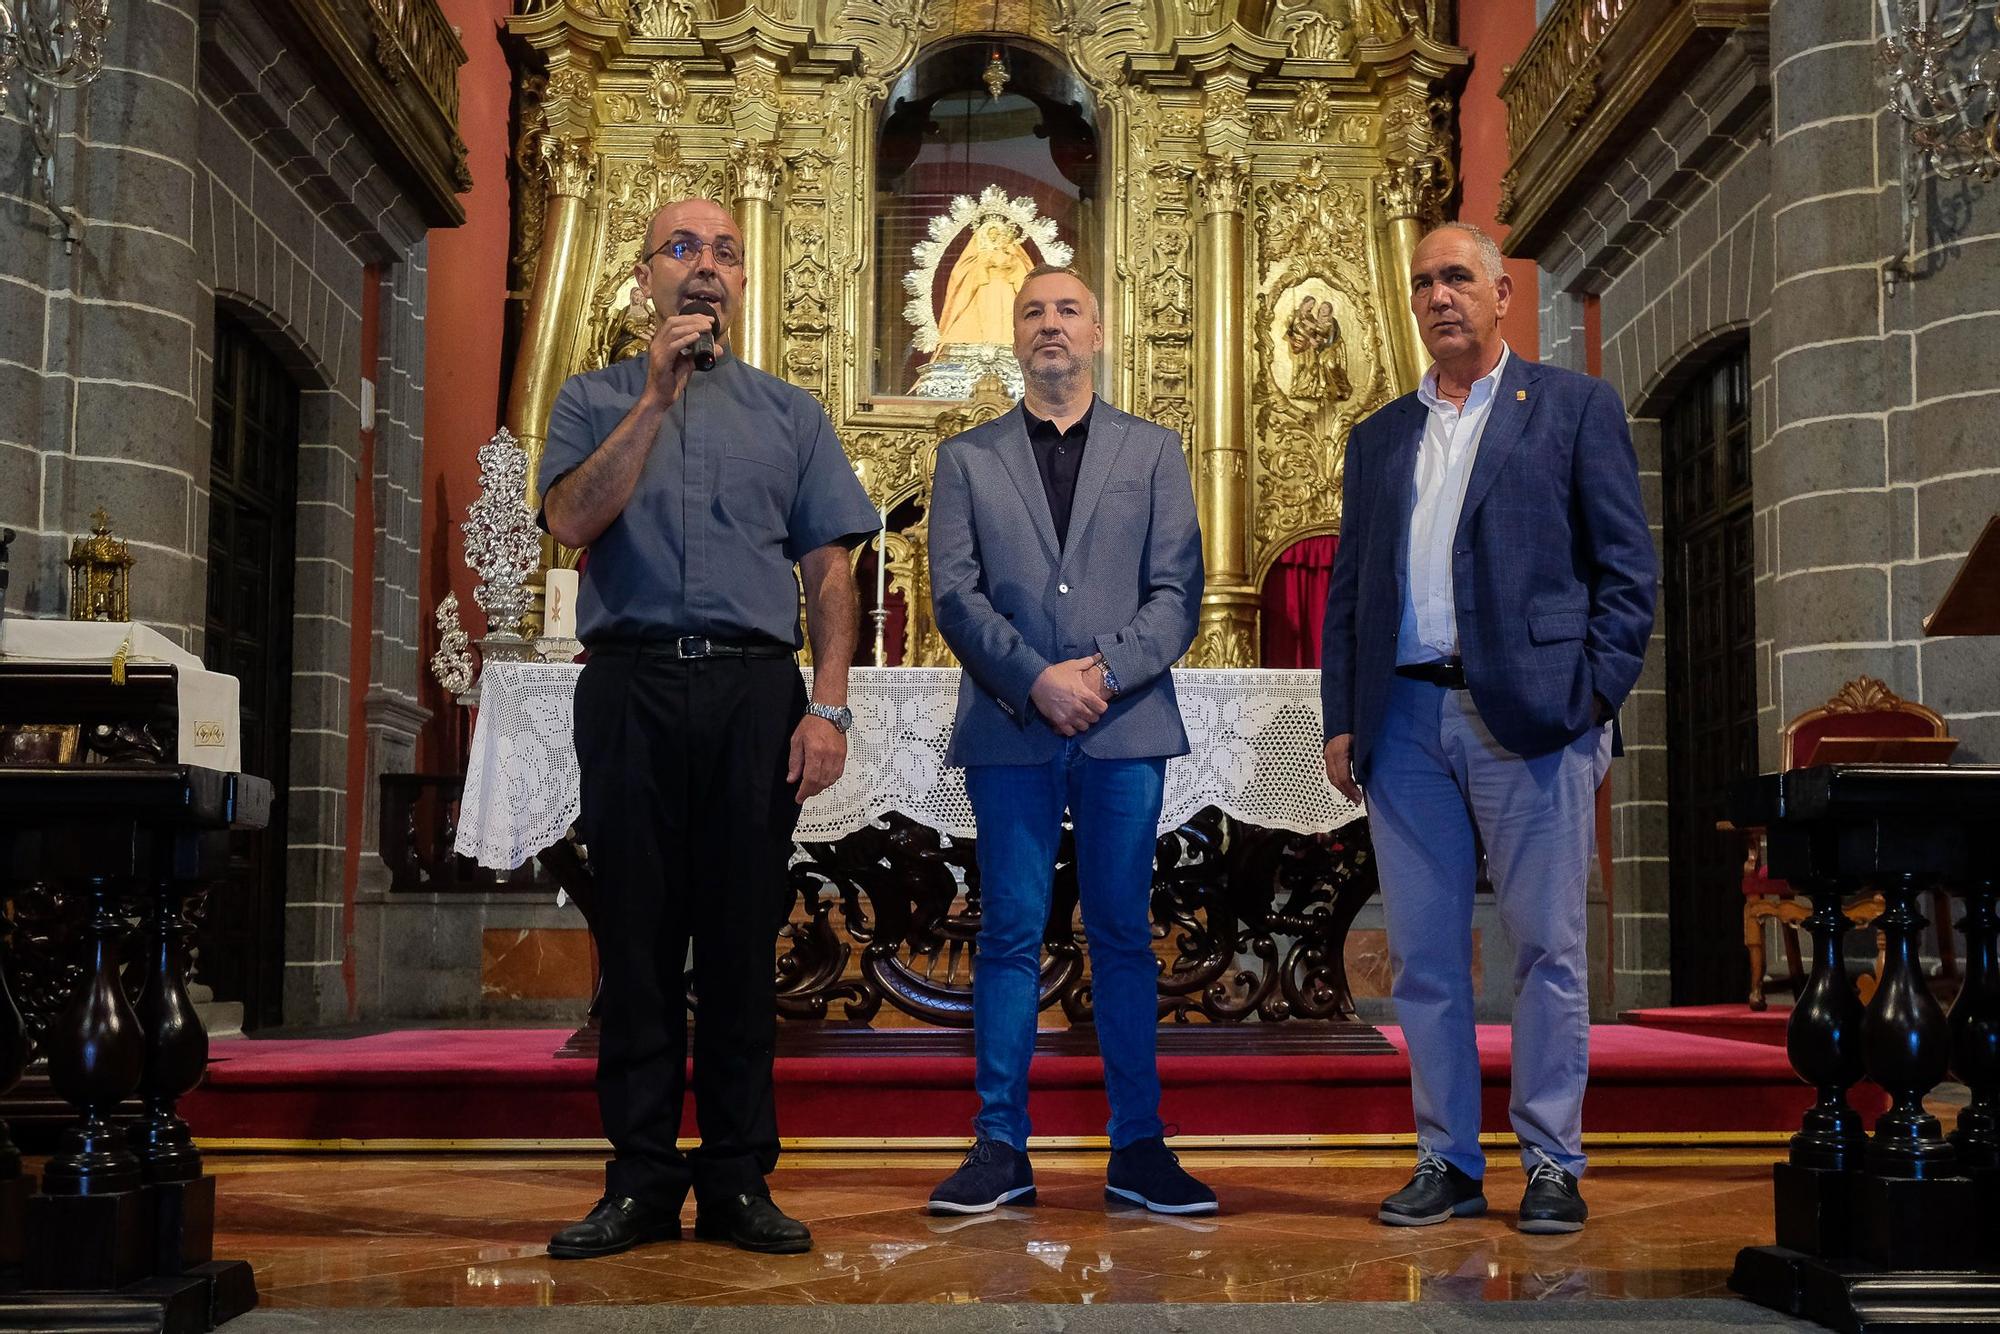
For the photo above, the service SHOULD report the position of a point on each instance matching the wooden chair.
(1865, 721)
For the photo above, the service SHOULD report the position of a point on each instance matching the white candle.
(559, 604)
(882, 559)
(1888, 19)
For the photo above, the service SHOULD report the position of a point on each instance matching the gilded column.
(568, 166)
(1227, 634)
(1407, 192)
(756, 177)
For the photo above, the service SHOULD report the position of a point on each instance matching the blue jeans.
(1115, 805)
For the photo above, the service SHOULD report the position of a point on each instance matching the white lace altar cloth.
(1254, 738)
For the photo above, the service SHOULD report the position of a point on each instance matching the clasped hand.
(1071, 695)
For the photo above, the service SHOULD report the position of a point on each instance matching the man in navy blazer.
(1488, 612)
(1066, 570)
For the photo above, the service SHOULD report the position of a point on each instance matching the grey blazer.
(1010, 602)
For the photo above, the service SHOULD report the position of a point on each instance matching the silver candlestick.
(881, 618)
(503, 548)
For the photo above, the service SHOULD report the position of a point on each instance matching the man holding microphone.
(698, 483)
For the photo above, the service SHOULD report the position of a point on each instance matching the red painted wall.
(1496, 32)
(463, 396)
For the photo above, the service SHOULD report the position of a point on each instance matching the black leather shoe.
(1436, 1192)
(752, 1223)
(616, 1223)
(1552, 1202)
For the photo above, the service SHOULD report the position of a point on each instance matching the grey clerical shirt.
(746, 477)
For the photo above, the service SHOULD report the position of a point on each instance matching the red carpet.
(1733, 1020)
(505, 1084)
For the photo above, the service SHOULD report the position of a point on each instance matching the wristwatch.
(839, 715)
(1110, 681)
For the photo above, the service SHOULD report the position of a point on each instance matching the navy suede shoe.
(993, 1174)
(1147, 1172)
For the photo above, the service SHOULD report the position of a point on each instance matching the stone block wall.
(1674, 242)
(1883, 462)
(99, 400)
(210, 171)
(1767, 202)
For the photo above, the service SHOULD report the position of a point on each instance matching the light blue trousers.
(1435, 776)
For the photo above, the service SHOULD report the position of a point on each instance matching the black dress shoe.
(752, 1223)
(1552, 1202)
(616, 1223)
(1436, 1192)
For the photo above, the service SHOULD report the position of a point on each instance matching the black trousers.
(688, 820)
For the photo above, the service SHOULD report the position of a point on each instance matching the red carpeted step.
(506, 1084)
(1734, 1020)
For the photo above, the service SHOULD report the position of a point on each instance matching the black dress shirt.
(1059, 457)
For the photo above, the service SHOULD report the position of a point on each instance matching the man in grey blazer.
(1066, 570)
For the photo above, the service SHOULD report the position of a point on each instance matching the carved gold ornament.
(1250, 283)
(1321, 365)
(663, 18)
(100, 574)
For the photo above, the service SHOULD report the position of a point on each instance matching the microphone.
(704, 346)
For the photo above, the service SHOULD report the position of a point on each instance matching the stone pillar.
(1227, 634)
(1865, 412)
(109, 334)
(756, 179)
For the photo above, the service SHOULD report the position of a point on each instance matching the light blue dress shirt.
(1445, 455)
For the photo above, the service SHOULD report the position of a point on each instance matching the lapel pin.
(1520, 395)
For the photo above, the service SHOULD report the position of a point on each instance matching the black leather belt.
(688, 647)
(1448, 672)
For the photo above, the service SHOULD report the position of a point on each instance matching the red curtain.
(1295, 602)
(892, 626)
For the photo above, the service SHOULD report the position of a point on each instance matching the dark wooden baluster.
(176, 1044)
(14, 1052)
(1823, 1039)
(1975, 1030)
(1908, 1045)
(96, 1055)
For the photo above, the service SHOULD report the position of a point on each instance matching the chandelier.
(1947, 97)
(57, 45)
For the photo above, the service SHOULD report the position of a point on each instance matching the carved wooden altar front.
(1264, 171)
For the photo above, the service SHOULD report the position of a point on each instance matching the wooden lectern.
(1971, 606)
(1902, 1229)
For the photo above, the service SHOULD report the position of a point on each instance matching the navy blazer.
(1553, 569)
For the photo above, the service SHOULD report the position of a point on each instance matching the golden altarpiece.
(1243, 182)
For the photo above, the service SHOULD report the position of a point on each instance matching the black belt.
(1449, 673)
(687, 647)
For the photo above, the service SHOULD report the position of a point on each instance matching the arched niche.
(988, 161)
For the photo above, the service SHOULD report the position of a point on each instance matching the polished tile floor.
(373, 1231)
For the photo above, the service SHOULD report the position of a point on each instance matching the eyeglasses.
(687, 249)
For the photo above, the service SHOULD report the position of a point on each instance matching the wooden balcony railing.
(392, 67)
(1560, 68)
(419, 33)
(1595, 74)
